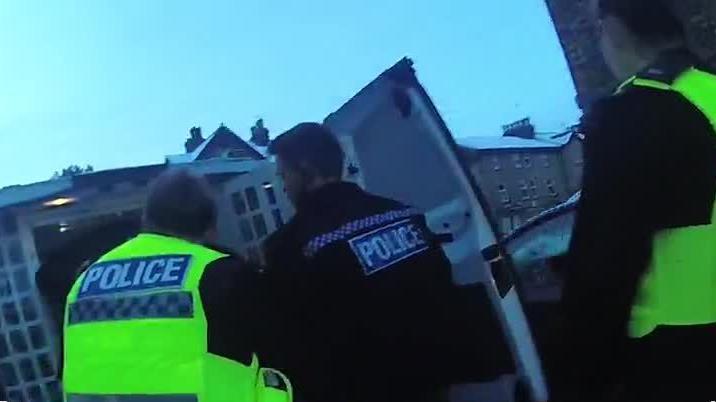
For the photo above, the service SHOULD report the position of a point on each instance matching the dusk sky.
(119, 83)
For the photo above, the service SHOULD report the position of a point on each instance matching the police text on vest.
(136, 274)
(388, 245)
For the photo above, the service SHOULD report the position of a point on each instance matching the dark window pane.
(27, 370)
(246, 232)
(18, 342)
(29, 310)
(37, 337)
(5, 286)
(270, 193)
(46, 367)
(4, 350)
(9, 224)
(239, 203)
(9, 311)
(252, 198)
(8, 374)
(2, 258)
(16, 396)
(277, 217)
(22, 282)
(55, 391)
(15, 253)
(260, 225)
(35, 394)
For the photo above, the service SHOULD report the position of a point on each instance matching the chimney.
(195, 139)
(260, 134)
(522, 129)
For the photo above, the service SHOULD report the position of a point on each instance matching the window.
(27, 370)
(246, 232)
(22, 282)
(9, 311)
(260, 225)
(270, 193)
(46, 367)
(533, 189)
(2, 258)
(16, 396)
(37, 337)
(550, 187)
(8, 374)
(496, 163)
(504, 194)
(524, 190)
(527, 161)
(15, 252)
(237, 199)
(4, 349)
(252, 197)
(5, 286)
(545, 161)
(517, 160)
(35, 393)
(29, 311)
(9, 224)
(506, 225)
(277, 217)
(516, 221)
(55, 391)
(18, 341)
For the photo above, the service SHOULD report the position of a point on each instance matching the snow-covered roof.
(194, 155)
(507, 142)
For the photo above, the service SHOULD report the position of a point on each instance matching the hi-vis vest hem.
(136, 331)
(679, 288)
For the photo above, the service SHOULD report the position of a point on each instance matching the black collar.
(328, 195)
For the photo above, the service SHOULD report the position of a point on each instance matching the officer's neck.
(646, 55)
(313, 188)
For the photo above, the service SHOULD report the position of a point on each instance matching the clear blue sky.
(117, 83)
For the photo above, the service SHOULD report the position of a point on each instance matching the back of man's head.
(180, 204)
(310, 148)
(652, 21)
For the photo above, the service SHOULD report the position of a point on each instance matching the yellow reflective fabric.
(154, 356)
(680, 285)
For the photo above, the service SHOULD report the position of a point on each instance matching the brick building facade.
(577, 34)
(522, 177)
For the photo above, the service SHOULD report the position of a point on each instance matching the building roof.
(486, 143)
(260, 152)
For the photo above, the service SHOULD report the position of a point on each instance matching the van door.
(398, 146)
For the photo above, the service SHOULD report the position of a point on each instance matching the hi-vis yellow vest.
(679, 287)
(135, 331)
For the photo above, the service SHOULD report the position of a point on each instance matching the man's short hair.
(653, 21)
(310, 145)
(181, 204)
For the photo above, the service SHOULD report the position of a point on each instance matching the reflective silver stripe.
(132, 398)
(132, 307)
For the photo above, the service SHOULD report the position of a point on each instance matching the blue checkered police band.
(136, 288)
(350, 229)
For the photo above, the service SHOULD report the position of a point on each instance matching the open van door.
(398, 146)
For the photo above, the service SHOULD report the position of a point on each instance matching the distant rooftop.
(507, 142)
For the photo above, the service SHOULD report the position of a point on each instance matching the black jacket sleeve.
(229, 293)
(648, 166)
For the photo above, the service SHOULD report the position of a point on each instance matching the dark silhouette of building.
(260, 134)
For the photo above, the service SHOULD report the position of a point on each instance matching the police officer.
(640, 294)
(163, 317)
(367, 288)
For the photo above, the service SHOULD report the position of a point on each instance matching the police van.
(398, 146)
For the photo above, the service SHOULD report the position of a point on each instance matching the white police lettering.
(388, 245)
(134, 275)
